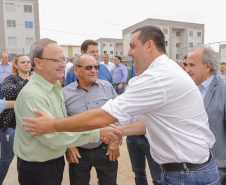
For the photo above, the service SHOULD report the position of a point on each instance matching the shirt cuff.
(94, 136)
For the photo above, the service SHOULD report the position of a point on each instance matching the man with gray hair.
(41, 159)
(203, 67)
(88, 93)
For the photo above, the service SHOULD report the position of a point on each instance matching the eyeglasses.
(185, 64)
(58, 61)
(90, 67)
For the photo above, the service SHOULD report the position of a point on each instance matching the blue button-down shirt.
(103, 74)
(5, 71)
(204, 86)
(221, 76)
(120, 73)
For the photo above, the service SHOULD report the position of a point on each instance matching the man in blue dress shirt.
(5, 69)
(119, 75)
(90, 47)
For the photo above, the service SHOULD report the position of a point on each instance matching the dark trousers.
(40, 173)
(139, 151)
(97, 158)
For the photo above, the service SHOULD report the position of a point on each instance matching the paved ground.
(125, 174)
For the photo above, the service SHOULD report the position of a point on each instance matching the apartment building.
(71, 50)
(19, 26)
(109, 46)
(180, 37)
(222, 53)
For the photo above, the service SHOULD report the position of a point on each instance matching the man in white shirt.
(108, 64)
(68, 66)
(172, 108)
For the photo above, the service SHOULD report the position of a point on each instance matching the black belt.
(140, 136)
(180, 166)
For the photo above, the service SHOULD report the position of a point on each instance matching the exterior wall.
(20, 32)
(109, 46)
(70, 51)
(222, 53)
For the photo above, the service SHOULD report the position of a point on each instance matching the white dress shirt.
(68, 66)
(110, 66)
(172, 107)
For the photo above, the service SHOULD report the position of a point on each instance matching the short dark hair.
(37, 49)
(153, 33)
(119, 58)
(223, 63)
(86, 43)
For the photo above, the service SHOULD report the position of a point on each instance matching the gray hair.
(37, 49)
(77, 59)
(209, 56)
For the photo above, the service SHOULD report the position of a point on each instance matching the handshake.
(110, 135)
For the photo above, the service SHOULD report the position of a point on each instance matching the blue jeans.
(119, 91)
(139, 148)
(6, 155)
(1, 97)
(207, 175)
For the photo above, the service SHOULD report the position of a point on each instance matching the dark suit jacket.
(215, 105)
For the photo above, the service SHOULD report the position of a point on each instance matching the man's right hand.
(72, 155)
(110, 133)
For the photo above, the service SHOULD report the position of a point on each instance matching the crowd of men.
(176, 116)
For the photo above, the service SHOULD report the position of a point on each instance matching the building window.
(191, 33)
(111, 52)
(29, 41)
(165, 31)
(10, 7)
(178, 34)
(104, 45)
(11, 23)
(166, 43)
(178, 45)
(28, 24)
(12, 40)
(27, 8)
(116, 53)
(121, 52)
(199, 34)
(105, 52)
(191, 44)
(111, 45)
(177, 56)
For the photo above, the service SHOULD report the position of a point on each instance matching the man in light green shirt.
(40, 159)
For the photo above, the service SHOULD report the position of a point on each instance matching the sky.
(73, 21)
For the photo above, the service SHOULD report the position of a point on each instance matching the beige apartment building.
(180, 36)
(222, 53)
(19, 26)
(109, 46)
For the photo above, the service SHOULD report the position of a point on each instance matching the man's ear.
(75, 70)
(38, 63)
(82, 52)
(150, 44)
(208, 67)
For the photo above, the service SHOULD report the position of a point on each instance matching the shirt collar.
(207, 82)
(156, 61)
(45, 84)
(77, 85)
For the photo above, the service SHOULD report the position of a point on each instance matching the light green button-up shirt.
(40, 94)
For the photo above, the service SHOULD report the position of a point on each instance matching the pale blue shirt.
(204, 86)
(2, 105)
(5, 71)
